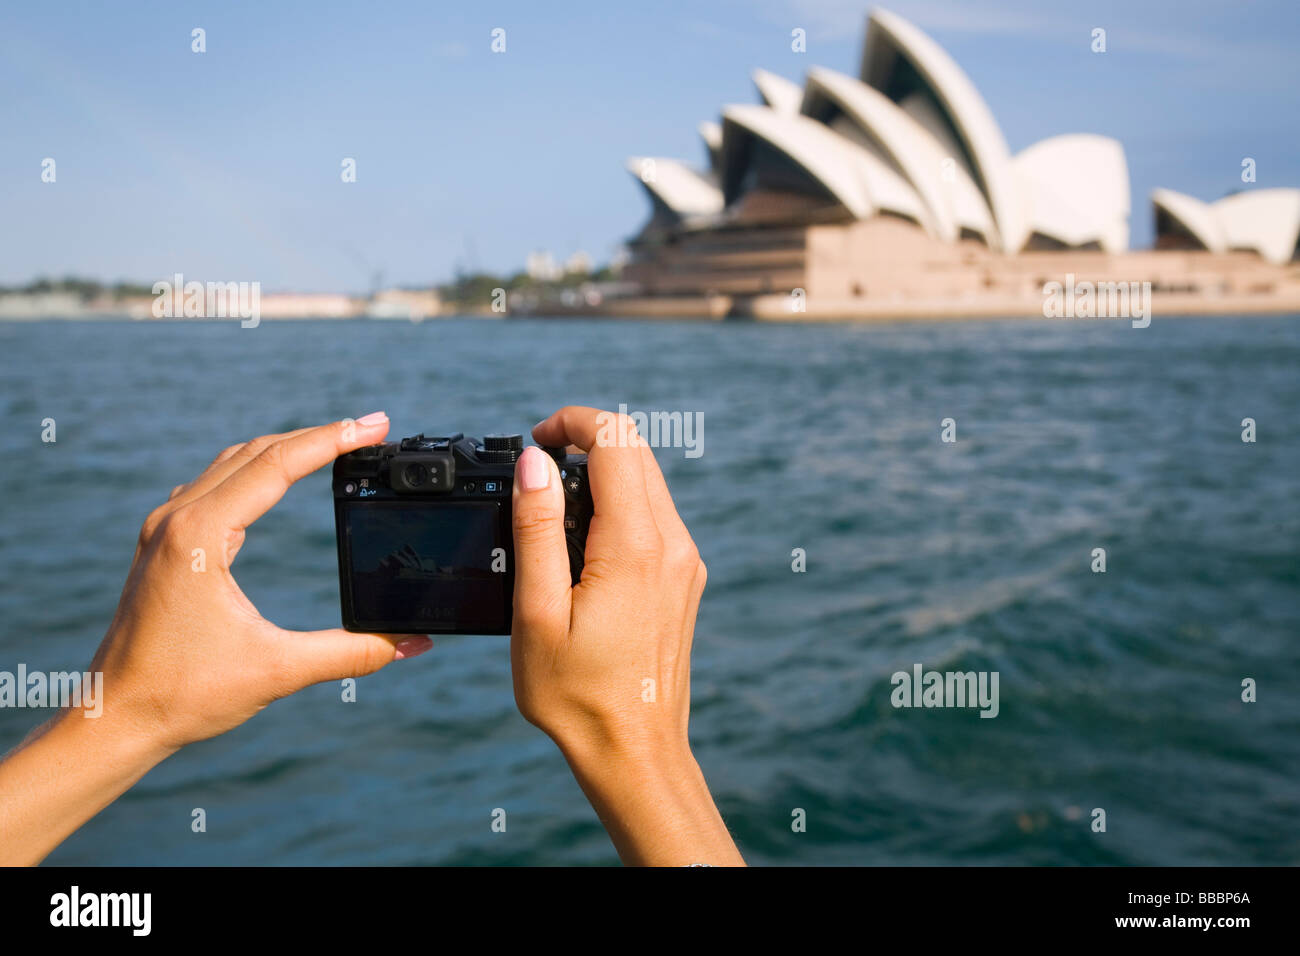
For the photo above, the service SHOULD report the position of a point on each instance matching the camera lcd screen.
(426, 566)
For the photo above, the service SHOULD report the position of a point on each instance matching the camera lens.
(415, 474)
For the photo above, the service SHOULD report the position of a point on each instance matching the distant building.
(309, 305)
(40, 305)
(619, 260)
(897, 186)
(413, 304)
(542, 266)
(578, 264)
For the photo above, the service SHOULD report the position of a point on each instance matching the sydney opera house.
(894, 193)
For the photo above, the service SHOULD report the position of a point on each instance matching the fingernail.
(374, 418)
(412, 647)
(533, 471)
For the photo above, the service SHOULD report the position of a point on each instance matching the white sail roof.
(1193, 215)
(682, 189)
(1265, 220)
(952, 199)
(914, 137)
(889, 38)
(777, 92)
(1075, 189)
(711, 133)
(862, 182)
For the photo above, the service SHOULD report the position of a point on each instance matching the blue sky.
(226, 165)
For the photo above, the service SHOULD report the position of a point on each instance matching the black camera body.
(424, 532)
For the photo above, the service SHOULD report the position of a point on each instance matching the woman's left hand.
(187, 656)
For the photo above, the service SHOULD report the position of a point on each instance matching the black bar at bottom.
(331, 905)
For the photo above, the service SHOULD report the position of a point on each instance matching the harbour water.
(1119, 691)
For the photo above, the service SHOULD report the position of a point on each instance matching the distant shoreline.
(893, 315)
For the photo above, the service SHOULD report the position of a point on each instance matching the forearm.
(656, 807)
(63, 775)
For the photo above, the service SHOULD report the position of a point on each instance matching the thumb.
(316, 656)
(542, 579)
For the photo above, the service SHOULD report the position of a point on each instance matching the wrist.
(62, 775)
(654, 802)
(623, 751)
(128, 744)
(635, 761)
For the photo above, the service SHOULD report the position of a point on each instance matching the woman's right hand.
(603, 667)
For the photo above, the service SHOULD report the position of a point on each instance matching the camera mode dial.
(502, 449)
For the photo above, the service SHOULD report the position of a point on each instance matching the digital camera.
(425, 537)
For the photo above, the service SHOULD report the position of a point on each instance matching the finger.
(232, 458)
(615, 466)
(691, 612)
(543, 583)
(310, 657)
(661, 502)
(226, 453)
(239, 454)
(698, 580)
(249, 492)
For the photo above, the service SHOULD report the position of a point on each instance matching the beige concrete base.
(777, 308)
(1163, 305)
(887, 269)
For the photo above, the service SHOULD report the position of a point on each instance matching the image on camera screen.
(413, 562)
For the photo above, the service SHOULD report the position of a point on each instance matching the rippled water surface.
(1119, 691)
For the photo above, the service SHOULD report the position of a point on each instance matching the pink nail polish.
(533, 470)
(374, 418)
(411, 647)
